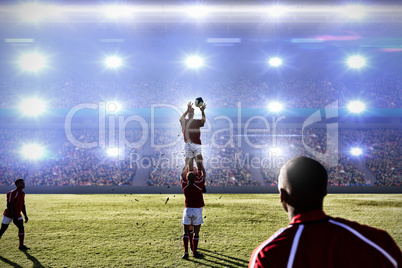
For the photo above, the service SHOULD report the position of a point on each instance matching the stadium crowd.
(226, 163)
(67, 165)
(382, 151)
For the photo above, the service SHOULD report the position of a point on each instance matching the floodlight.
(356, 106)
(113, 62)
(197, 11)
(356, 62)
(32, 107)
(194, 62)
(275, 62)
(276, 150)
(32, 151)
(113, 106)
(32, 62)
(275, 106)
(113, 152)
(356, 151)
(276, 11)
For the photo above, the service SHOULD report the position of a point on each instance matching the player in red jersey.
(191, 132)
(192, 183)
(15, 205)
(314, 239)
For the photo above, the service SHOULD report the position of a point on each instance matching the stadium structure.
(91, 93)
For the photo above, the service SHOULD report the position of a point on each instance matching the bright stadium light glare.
(113, 152)
(113, 62)
(275, 62)
(32, 151)
(356, 107)
(32, 107)
(197, 11)
(275, 106)
(117, 11)
(276, 11)
(356, 151)
(356, 62)
(194, 62)
(32, 62)
(34, 12)
(113, 106)
(354, 11)
(276, 150)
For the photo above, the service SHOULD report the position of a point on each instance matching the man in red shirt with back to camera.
(15, 205)
(192, 183)
(314, 239)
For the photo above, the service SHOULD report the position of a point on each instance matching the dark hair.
(18, 181)
(307, 175)
(191, 177)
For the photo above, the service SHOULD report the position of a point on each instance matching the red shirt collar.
(313, 215)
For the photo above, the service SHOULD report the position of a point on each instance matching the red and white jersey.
(191, 130)
(315, 240)
(17, 199)
(193, 192)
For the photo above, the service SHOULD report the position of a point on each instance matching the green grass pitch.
(145, 230)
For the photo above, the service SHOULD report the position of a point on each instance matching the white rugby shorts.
(7, 220)
(191, 150)
(192, 216)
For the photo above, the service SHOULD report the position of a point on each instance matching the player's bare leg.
(200, 165)
(185, 240)
(196, 254)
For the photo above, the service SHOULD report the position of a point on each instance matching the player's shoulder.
(272, 247)
(365, 230)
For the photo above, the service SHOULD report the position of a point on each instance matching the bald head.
(304, 180)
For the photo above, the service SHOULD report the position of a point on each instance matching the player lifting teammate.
(192, 183)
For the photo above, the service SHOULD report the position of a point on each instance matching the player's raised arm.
(184, 172)
(204, 118)
(183, 117)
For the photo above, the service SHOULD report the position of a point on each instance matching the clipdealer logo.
(112, 134)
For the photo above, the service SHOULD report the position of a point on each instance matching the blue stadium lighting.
(275, 62)
(356, 107)
(32, 107)
(113, 152)
(356, 151)
(113, 62)
(194, 62)
(356, 62)
(275, 106)
(32, 62)
(32, 151)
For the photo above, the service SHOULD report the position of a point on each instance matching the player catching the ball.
(191, 132)
(192, 183)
